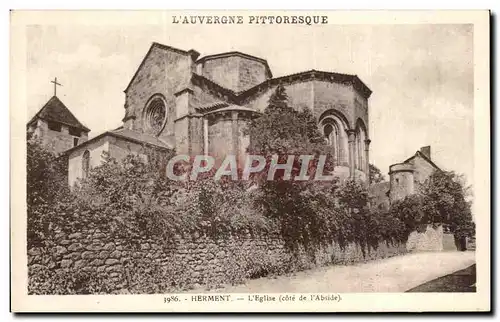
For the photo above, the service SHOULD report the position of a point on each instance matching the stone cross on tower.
(55, 85)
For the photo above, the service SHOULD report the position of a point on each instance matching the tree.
(301, 208)
(441, 199)
(46, 186)
(447, 194)
(283, 131)
(414, 211)
(376, 175)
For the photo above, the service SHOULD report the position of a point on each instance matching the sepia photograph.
(199, 161)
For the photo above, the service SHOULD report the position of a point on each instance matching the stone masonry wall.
(201, 259)
(429, 238)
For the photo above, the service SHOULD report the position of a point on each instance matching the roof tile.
(55, 110)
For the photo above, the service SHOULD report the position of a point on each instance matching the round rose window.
(156, 114)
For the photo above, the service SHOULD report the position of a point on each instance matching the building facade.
(405, 178)
(178, 101)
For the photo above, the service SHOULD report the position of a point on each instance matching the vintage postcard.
(250, 161)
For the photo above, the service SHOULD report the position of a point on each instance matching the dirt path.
(463, 280)
(396, 274)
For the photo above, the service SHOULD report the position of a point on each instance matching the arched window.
(331, 132)
(155, 115)
(334, 127)
(360, 147)
(86, 163)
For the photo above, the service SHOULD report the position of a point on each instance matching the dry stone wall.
(190, 261)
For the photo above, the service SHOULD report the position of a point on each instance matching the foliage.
(413, 211)
(292, 204)
(221, 207)
(441, 200)
(132, 199)
(311, 213)
(447, 194)
(46, 188)
(282, 130)
(365, 226)
(375, 174)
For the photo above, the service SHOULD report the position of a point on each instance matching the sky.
(421, 75)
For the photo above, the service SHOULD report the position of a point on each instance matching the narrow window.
(360, 151)
(331, 133)
(75, 141)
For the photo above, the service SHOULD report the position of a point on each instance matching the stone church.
(179, 101)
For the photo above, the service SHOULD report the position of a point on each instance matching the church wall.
(119, 148)
(300, 95)
(361, 110)
(250, 73)
(243, 140)
(196, 135)
(340, 97)
(75, 159)
(234, 72)
(223, 71)
(220, 136)
(201, 98)
(165, 72)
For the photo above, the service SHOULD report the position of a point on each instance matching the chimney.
(426, 150)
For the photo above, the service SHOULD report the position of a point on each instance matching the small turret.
(401, 181)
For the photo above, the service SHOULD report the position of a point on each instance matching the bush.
(440, 200)
(46, 188)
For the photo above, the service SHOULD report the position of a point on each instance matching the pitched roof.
(128, 135)
(193, 53)
(423, 156)
(354, 80)
(287, 79)
(313, 74)
(140, 137)
(55, 110)
(234, 108)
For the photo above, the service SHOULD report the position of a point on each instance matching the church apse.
(202, 106)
